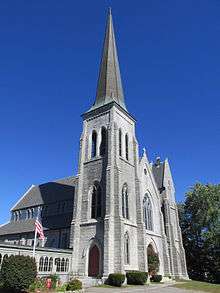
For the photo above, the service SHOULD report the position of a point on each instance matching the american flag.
(38, 227)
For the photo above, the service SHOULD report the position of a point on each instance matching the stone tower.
(107, 172)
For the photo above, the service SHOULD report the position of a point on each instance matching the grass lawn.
(200, 286)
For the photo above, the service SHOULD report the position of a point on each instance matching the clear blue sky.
(49, 57)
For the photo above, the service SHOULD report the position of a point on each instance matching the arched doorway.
(153, 260)
(94, 260)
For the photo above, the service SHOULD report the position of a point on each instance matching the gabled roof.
(109, 86)
(47, 193)
(59, 190)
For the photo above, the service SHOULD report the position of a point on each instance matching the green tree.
(18, 272)
(200, 224)
(153, 263)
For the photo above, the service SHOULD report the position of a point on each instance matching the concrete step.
(90, 282)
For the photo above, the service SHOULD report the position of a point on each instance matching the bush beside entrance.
(116, 279)
(136, 278)
(156, 278)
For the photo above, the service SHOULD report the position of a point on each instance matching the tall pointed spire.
(109, 86)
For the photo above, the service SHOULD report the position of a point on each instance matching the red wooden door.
(94, 261)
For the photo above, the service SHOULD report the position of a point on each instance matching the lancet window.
(125, 208)
(103, 144)
(126, 249)
(126, 146)
(96, 201)
(94, 144)
(148, 213)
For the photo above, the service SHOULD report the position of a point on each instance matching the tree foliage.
(153, 263)
(18, 272)
(200, 224)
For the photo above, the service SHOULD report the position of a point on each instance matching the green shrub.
(37, 284)
(156, 278)
(136, 278)
(116, 279)
(74, 284)
(18, 272)
(62, 288)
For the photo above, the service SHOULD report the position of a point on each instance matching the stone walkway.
(162, 288)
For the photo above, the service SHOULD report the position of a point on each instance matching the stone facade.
(112, 171)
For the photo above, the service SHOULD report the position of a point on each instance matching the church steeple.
(109, 86)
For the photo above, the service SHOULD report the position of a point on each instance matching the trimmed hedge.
(73, 285)
(116, 279)
(156, 278)
(18, 272)
(136, 278)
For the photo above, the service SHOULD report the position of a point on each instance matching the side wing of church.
(120, 208)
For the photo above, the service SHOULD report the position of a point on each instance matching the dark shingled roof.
(17, 227)
(25, 226)
(158, 172)
(47, 193)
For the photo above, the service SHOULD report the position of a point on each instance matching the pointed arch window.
(41, 264)
(67, 265)
(125, 208)
(119, 142)
(50, 264)
(32, 213)
(94, 144)
(57, 263)
(46, 264)
(16, 215)
(96, 201)
(28, 214)
(126, 146)
(126, 249)
(103, 144)
(147, 212)
(62, 267)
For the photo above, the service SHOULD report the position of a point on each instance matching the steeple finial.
(109, 86)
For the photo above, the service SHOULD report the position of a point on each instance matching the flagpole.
(35, 242)
(35, 234)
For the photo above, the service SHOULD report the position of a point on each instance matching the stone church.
(119, 208)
